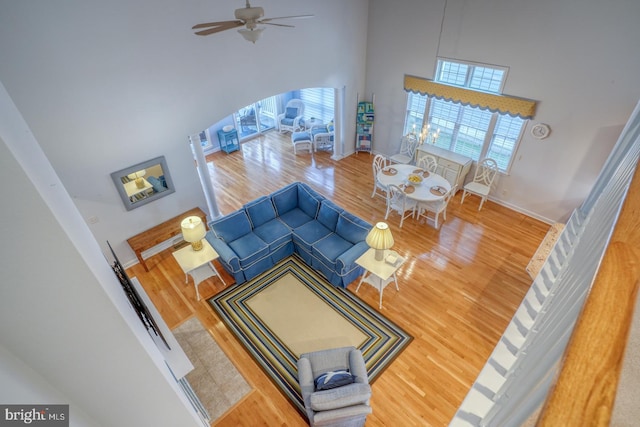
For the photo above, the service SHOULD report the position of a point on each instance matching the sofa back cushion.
(231, 227)
(328, 214)
(352, 228)
(285, 199)
(260, 211)
(308, 200)
(296, 195)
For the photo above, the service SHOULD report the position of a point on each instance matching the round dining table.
(433, 187)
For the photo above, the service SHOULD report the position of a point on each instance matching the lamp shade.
(251, 35)
(380, 238)
(137, 174)
(137, 177)
(193, 231)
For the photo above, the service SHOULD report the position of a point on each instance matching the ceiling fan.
(248, 16)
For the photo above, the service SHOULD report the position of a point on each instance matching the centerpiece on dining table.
(415, 178)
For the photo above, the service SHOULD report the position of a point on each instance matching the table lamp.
(137, 177)
(380, 238)
(193, 231)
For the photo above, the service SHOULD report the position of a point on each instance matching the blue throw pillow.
(330, 127)
(291, 113)
(333, 379)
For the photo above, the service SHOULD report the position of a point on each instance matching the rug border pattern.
(385, 340)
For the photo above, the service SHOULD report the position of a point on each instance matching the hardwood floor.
(458, 289)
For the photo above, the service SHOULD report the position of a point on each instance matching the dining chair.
(397, 201)
(428, 162)
(379, 163)
(483, 179)
(436, 207)
(408, 145)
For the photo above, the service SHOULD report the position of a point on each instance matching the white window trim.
(494, 117)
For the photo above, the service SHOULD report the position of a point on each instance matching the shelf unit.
(364, 126)
(229, 141)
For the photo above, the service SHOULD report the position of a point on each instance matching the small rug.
(537, 261)
(291, 309)
(214, 379)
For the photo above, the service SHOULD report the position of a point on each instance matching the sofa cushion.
(328, 214)
(352, 228)
(309, 233)
(249, 248)
(329, 249)
(232, 226)
(308, 200)
(295, 218)
(156, 184)
(296, 204)
(260, 211)
(274, 233)
(285, 199)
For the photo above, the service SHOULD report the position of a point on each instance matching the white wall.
(21, 384)
(105, 85)
(62, 311)
(577, 58)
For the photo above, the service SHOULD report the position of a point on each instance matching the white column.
(338, 134)
(205, 178)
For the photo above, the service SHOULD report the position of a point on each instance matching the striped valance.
(524, 108)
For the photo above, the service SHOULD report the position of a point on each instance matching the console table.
(452, 166)
(161, 233)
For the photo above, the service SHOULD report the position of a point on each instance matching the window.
(318, 103)
(463, 129)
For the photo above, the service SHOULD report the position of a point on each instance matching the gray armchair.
(346, 405)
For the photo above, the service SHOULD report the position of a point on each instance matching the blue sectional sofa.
(294, 219)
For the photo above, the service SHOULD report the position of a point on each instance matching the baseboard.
(523, 211)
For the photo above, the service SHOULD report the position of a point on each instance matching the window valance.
(524, 108)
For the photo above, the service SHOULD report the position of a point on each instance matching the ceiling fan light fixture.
(251, 35)
(249, 13)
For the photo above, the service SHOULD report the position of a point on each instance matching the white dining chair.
(428, 162)
(397, 201)
(481, 185)
(408, 145)
(436, 207)
(379, 163)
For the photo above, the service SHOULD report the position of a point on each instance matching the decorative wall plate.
(540, 131)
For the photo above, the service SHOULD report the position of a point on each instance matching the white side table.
(198, 264)
(378, 273)
(310, 123)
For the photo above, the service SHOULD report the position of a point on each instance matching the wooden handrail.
(585, 390)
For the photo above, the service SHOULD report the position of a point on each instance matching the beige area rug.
(297, 329)
(292, 309)
(215, 380)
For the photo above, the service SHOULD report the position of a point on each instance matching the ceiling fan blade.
(286, 17)
(215, 24)
(230, 25)
(279, 25)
